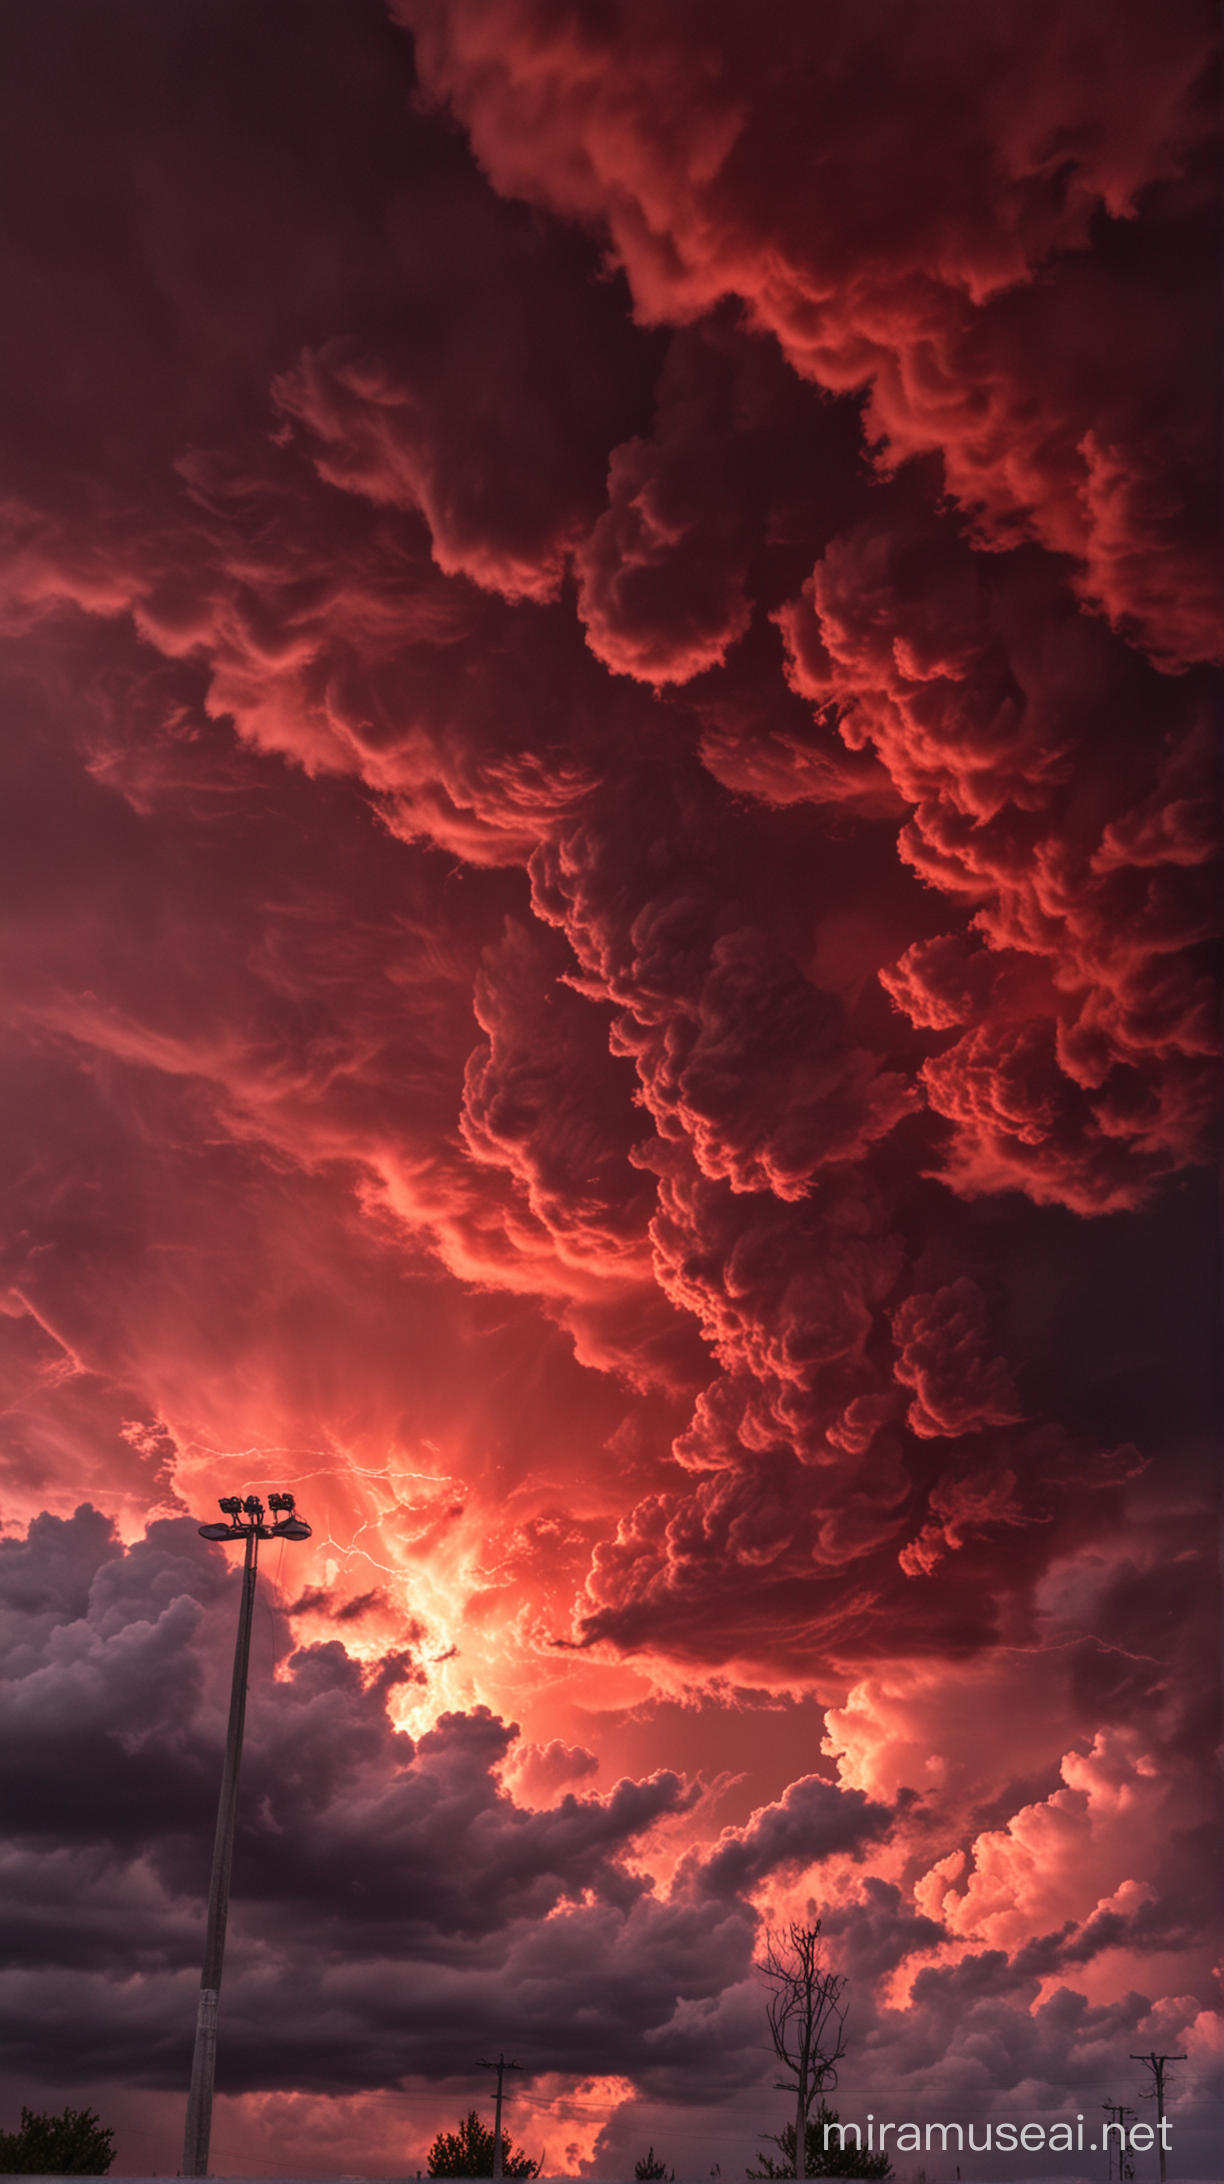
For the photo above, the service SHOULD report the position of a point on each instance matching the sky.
(608, 617)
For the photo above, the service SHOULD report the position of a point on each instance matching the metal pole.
(204, 2059)
(497, 2137)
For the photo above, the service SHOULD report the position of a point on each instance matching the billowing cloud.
(953, 300)
(810, 1823)
(355, 1844)
(942, 1344)
(1085, 1067)
(609, 820)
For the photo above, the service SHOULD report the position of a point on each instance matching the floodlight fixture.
(247, 1514)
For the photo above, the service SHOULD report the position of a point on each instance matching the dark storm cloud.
(354, 1848)
(610, 802)
(389, 1899)
(811, 1822)
(318, 584)
(994, 704)
(908, 212)
(338, 1806)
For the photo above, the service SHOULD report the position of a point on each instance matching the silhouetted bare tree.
(807, 2020)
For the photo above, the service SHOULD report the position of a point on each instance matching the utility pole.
(501, 2066)
(1156, 2064)
(247, 1524)
(1117, 2112)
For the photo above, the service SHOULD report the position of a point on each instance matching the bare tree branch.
(807, 2019)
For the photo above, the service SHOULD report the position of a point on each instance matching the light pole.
(246, 1522)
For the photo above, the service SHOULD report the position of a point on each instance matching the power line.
(448, 2088)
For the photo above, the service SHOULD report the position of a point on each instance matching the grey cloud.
(389, 1899)
(813, 1820)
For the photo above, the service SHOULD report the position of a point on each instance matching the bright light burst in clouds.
(609, 620)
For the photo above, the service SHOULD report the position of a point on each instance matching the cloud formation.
(1021, 137)
(609, 809)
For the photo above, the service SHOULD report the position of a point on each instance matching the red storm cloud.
(769, 173)
(608, 656)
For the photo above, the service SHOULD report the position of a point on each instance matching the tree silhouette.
(73, 2144)
(836, 2161)
(651, 2171)
(469, 2152)
(807, 2022)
